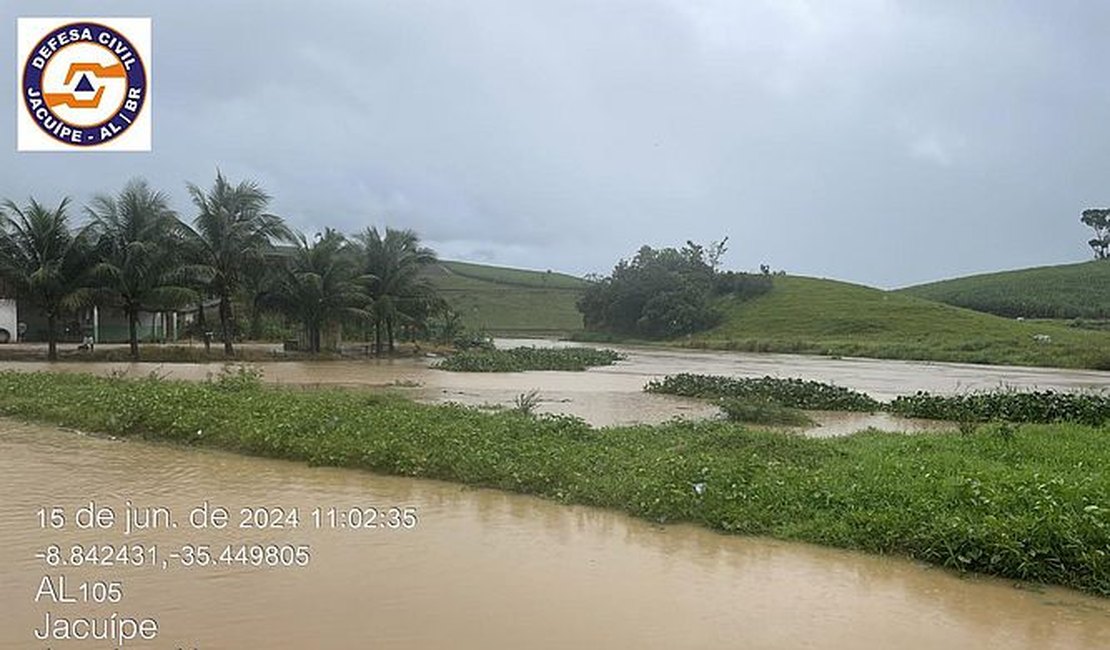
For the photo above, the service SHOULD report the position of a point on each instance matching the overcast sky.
(885, 143)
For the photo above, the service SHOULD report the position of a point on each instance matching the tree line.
(136, 254)
(667, 292)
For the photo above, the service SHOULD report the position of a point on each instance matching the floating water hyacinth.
(529, 358)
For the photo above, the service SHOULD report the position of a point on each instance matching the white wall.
(8, 318)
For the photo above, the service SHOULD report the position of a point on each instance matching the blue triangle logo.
(84, 86)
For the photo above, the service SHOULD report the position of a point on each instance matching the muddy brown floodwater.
(481, 569)
(614, 394)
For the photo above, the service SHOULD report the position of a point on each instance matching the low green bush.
(762, 411)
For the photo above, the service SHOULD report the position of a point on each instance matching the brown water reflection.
(485, 569)
(614, 395)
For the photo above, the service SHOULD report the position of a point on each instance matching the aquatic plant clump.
(793, 393)
(1007, 406)
(529, 358)
(762, 411)
(1033, 504)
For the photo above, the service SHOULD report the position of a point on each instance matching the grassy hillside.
(510, 301)
(1065, 291)
(810, 315)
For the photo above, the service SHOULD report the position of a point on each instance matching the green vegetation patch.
(509, 301)
(814, 316)
(1012, 406)
(1064, 291)
(529, 358)
(762, 411)
(1031, 505)
(1007, 406)
(667, 292)
(792, 393)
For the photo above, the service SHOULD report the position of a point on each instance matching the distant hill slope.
(510, 301)
(1065, 291)
(809, 315)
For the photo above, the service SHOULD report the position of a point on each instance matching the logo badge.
(84, 84)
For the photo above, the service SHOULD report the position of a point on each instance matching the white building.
(9, 320)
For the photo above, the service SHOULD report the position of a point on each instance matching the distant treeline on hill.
(667, 292)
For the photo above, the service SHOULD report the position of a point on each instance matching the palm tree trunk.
(202, 325)
(51, 338)
(389, 329)
(133, 332)
(225, 324)
(378, 336)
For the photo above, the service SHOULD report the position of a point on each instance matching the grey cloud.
(877, 141)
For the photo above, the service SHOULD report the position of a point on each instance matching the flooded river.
(479, 569)
(614, 394)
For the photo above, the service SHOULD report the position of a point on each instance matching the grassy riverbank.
(1033, 504)
(815, 316)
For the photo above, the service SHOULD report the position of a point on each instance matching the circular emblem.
(84, 84)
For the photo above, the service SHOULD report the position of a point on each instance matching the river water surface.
(614, 394)
(480, 570)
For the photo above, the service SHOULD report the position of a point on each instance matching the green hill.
(809, 315)
(510, 301)
(1065, 291)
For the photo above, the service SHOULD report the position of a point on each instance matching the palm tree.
(43, 258)
(231, 232)
(260, 281)
(393, 264)
(320, 287)
(137, 238)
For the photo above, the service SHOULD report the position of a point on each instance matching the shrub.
(762, 411)
(526, 403)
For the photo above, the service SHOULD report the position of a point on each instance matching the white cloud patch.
(930, 148)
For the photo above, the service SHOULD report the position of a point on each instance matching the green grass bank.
(510, 301)
(815, 316)
(1032, 505)
(1062, 291)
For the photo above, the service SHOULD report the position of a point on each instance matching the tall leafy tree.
(321, 287)
(44, 259)
(393, 262)
(137, 241)
(662, 293)
(1098, 219)
(231, 232)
